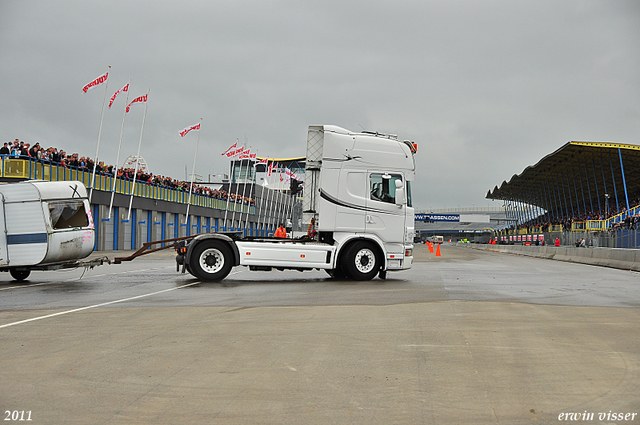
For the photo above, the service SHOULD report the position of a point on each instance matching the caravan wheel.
(19, 275)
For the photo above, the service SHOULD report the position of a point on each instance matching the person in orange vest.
(557, 242)
(280, 232)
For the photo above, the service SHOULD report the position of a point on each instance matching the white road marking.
(24, 286)
(78, 278)
(101, 304)
(97, 305)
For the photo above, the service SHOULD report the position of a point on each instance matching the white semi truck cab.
(357, 207)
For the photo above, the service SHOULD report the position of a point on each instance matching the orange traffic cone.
(430, 247)
(438, 251)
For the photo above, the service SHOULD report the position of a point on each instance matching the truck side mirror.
(399, 193)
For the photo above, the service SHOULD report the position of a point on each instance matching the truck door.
(383, 217)
(349, 215)
(343, 201)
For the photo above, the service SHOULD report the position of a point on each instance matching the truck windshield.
(68, 214)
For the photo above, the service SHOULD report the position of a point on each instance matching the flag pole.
(135, 170)
(235, 199)
(270, 208)
(226, 208)
(193, 174)
(115, 173)
(95, 159)
(246, 221)
(244, 189)
(262, 195)
(280, 213)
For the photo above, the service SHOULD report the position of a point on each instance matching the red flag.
(290, 174)
(262, 161)
(235, 145)
(188, 129)
(101, 79)
(142, 98)
(247, 155)
(235, 152)
(125, 88)
(271, 168)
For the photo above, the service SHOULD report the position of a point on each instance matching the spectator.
(15, 149)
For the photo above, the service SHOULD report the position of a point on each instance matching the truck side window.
(68, 214)
(382, 187)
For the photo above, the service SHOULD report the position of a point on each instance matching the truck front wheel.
(361, 261)
(19, 275)
(211, 261)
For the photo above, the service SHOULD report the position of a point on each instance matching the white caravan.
(357, 205)
(44, 226)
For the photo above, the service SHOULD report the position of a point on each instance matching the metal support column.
(586, 172)
(595, 183)
(546, 202)
(624, 181)
(558, 200)
(575, 188)
(615, 190)
(565, 199)
(553, 202)
(606, 192)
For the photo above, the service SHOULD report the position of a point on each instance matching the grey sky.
(485, 88)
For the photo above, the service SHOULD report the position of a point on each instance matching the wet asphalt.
(468, 337)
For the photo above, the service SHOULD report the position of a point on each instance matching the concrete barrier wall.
(619, 258)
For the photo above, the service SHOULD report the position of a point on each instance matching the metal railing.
(462, 209)
(28, 168)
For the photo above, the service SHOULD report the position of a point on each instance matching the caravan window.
(68, 214)
(383, 187)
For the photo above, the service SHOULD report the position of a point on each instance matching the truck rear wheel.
(19, 275)
(361, 261)
(211, 261)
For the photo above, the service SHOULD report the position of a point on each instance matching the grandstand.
(583, 190)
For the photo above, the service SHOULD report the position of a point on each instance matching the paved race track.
(471, 337)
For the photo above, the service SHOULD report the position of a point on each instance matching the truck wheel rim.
(211, 260)
(365, 260)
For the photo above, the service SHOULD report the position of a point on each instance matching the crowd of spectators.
(544, 222)
(53, 155)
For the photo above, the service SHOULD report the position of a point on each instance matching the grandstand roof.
(576, 168)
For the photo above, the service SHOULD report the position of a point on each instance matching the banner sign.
(438, 217)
